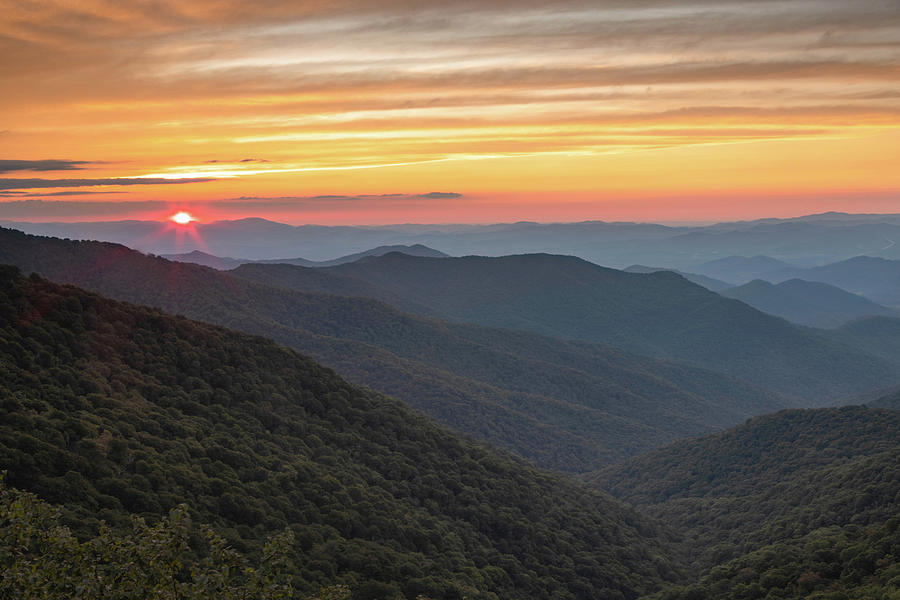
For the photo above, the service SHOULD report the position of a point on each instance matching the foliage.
(792, 505)
(109, 409)
(834, 563)
(42, 559)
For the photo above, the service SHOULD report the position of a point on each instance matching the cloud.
(295, 201)
(7, 166)
(21, 184)
(439, 195)
(16, 194)
(243, 160)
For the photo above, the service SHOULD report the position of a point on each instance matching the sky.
(396, 111)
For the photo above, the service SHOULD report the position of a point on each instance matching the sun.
(182, 218)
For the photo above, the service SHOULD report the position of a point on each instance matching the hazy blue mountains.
(226, 264)
(877, 279)
(709, 283)
(807, 241)
(807, 303)
(741, 269)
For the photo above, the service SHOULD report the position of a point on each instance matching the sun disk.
(182, 218)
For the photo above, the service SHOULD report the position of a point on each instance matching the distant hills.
(877, 279)
(807, 303)
(804, 241)
(109, 409)
(709, 283)
(659, 314)
(741, 269)
(196, 257)
(785, 505)
(564, 404)
(226, 264)
(411, 250)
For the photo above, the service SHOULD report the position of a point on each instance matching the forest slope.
(110, 408)
(768, 496)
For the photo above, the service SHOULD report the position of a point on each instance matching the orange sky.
(355, 112)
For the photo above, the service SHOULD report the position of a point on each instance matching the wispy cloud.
(19, 194)
(21, 184)
(8, 166)
(440, 196)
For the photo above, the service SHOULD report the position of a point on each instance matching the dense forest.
(789, 505)
(41, 559)
(110, 409)
(565, 405)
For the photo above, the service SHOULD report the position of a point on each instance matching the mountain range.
(658, 314)
(741, 269)
(565, 404)
(807, 241)
(713, 285)
(226, 263)
(807, 302)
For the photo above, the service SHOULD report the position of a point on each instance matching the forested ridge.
(566, 405)
(110, 409)
(791, 505)
(657, 314)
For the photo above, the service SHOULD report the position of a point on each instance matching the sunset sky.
(422, 111)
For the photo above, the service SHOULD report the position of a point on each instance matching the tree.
(42, 559)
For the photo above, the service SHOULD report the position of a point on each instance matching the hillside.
(411, 250)
(317, 281)
(760, 503)
(226, 264)
(878, 279)
(891, 401)
(222, 263)
(807, 302)
(659, 314)
(566, 405)
(110, 408)
(713, 285)
(741, 269)
(880, 335)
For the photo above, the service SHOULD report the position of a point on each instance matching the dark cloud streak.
(21, 184)
(8, 166)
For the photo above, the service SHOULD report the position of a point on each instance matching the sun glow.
(182, 218)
